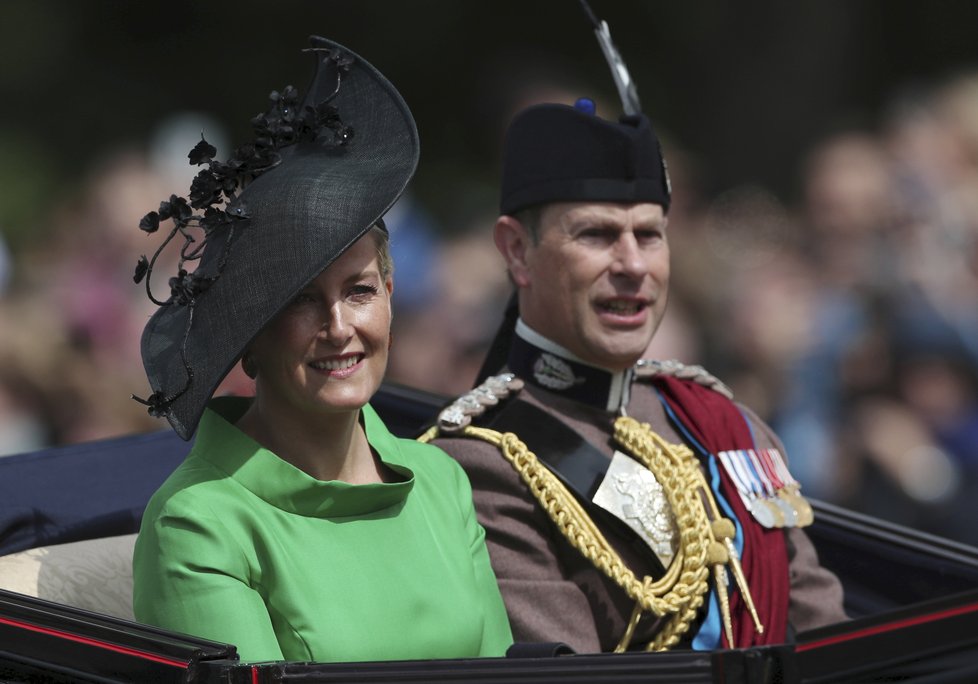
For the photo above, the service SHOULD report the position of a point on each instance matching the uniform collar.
(547, 365)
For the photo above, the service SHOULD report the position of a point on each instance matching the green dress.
(240, 547)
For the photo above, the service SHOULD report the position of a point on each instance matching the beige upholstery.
(95, 574)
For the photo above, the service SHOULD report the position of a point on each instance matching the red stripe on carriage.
(145, 655)
(889, 627)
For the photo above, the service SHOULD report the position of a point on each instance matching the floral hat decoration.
(262, 225)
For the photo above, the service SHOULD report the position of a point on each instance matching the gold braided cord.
(679, 594)
(677, 470)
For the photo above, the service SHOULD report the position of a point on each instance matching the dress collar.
(284, 486)
(546, 364)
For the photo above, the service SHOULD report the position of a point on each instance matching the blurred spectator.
(440, 347)
(414, 249)
(22, 401)
(6, 266)
(847, 226)
(68, 377)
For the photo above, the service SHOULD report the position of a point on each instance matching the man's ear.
(513, 241)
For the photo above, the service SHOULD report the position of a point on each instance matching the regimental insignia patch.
(631, 493)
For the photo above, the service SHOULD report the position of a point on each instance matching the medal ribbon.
(774, 487)
(764, 456)
(791, 490)
(757, 469)
(748, 488)
(777, 461)
(756, 495)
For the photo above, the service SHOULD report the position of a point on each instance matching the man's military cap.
(559, 153)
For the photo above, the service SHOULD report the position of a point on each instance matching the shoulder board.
(461, 412)
(652, 368)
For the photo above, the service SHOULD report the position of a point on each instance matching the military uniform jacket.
(554, 594)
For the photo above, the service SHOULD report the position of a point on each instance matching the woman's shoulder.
(194, 485)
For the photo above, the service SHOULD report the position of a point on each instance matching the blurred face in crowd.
(592, 277)
(327, 350)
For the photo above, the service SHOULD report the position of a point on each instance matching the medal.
(791, 489)
(762, 513)
(790, 514)
(772, 486)
(751, 489)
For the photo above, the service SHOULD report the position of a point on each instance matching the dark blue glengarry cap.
(558, 153)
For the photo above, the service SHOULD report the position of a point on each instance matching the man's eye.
(596, 234)
(646, 236)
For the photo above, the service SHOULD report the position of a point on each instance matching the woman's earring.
(248, 365)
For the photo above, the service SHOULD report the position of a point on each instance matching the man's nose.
(629, 259)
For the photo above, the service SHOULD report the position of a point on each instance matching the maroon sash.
(719, 426)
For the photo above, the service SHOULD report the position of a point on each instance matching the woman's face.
(327, 350)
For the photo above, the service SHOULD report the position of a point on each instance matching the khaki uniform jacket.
(552, 593)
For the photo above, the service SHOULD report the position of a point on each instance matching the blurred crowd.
(849, 318)
(846, 316)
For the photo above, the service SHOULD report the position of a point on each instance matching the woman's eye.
(363, 290)
(303, 298)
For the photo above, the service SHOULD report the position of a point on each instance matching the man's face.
(596, 282)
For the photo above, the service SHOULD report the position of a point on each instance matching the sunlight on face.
(327, 350)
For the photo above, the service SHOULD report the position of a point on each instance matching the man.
(604, 533)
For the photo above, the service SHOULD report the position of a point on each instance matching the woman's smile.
(339, 366)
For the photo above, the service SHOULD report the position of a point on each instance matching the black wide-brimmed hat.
(318, 176)
(559, 153)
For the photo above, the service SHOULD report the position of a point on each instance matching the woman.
(298, 527)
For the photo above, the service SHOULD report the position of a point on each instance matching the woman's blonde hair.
(382, 241)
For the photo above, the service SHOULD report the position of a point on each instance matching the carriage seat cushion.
(95, 574)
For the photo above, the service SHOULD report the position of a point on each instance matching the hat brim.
(303, 215)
